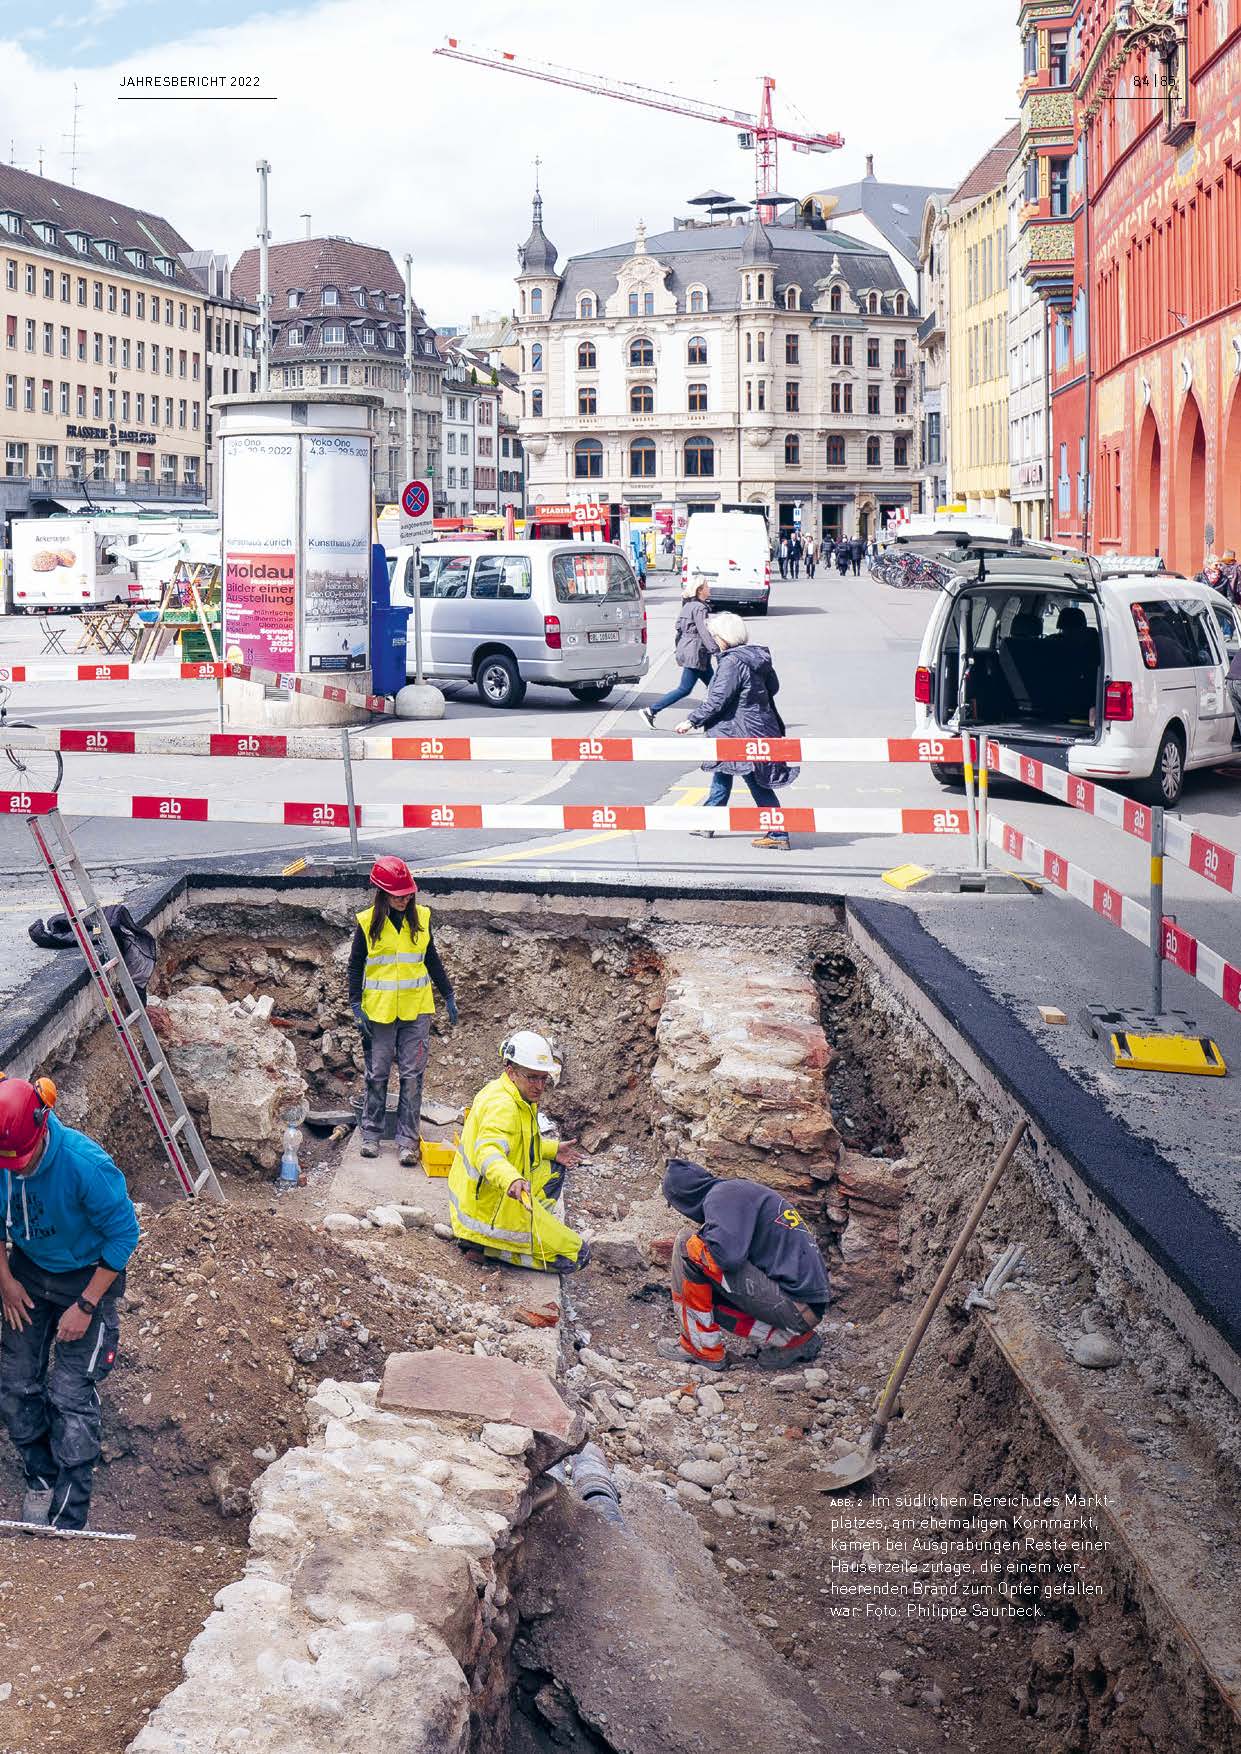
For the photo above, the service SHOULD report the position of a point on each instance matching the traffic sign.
(416, 522)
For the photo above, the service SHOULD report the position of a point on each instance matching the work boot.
(36, 1504)
(678, 1354)
(370, 1148)
(782, 1358)
(409, 1156)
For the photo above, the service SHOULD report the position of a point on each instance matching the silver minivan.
(504, 614)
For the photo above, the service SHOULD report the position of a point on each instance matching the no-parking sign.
(416, 524)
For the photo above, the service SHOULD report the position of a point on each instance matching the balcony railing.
(902, 373)
(86, 487)
(929, 327)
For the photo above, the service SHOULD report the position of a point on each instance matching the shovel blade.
(850, 1469)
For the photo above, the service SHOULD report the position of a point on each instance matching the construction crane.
(757, 134)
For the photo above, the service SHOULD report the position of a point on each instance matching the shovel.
(859, 1464)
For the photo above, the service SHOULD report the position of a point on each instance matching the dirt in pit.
(1083, 1678)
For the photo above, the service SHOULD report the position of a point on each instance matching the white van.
(1125, 677)
(66, 563)
(731, 551)
(505, 614)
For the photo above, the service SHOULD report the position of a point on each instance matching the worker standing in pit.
(506, 1176)
(393, 962)
(750, 1266)
(71, 1229)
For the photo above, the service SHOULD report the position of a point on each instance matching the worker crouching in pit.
(505, 1182)
(71, 1228)
(393, 962)
(750, 1266)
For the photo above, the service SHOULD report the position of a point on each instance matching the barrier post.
(1156, 909)
(971, 802)
(984, 801)
(348, 760)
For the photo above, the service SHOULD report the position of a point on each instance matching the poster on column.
(259, 539)
(336, 494)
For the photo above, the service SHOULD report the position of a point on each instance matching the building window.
(1060, 187)
(792, 450)
(49, 282)
(536, 301)
(900, 451)
(333, 334)
(749, 289)
(1030, 186)
(45, 396)
(872, 353)
(648, 304)
(330, 296)
(586, 357)
(586, 305)
(872, 398)
(698, 398)
(699, 457)
(14, 458)
(791, 351)
(749, 347)
(10, 391)
(696, 351)
(588, 460)
(64, 398)
(898, 304)
(761, 346)
(65, 289)
(899, 361)
(536, 357)
(641, 353)
(762, 286)
(641, 399)
(30, 278)
(762, 393)
(899, 396)
(697, 300)
(642, 457)
(1029, 51)
(28, 395)
(792, 298)
(587, 400)
(112, 298)
(872, 452)
(792, 397)
(1058, 57)
(536, 404)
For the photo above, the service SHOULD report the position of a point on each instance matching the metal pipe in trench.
(594, 1485)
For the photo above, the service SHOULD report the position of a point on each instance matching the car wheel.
(947, 775)
(1167, 777)
(499, 682)
(591, 693)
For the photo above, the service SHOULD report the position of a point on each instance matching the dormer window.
(792, 298)
(107, 249)
(137, 258)
(377, 299)
(166, 266)
(834, 300)
(586, 305)
(45, 233)
(333, 334)
(872, 304)
(899, 304)
(296, 336)
(368, 337)
(295, 298)
(11, 221)
(77, 240)
(359, 296)
(330, 296)
(697, 302)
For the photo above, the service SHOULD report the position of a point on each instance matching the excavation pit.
(760, 1039)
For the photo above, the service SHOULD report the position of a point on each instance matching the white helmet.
(532, 1052)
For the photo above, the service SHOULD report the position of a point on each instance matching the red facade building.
(1132, 232)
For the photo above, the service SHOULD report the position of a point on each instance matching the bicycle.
(27, 770)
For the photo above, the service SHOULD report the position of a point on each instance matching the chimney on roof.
(306, 217)
(870, 165)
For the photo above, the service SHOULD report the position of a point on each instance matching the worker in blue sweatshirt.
(750, 1265)
(71, 1228)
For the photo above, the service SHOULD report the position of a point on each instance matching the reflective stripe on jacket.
(501, 1144)
(396, 986)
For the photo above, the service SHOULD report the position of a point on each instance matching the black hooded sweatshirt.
(744, 1221)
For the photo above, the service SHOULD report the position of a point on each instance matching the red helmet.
(394, 877)
(23, 1122)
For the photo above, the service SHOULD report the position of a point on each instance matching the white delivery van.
(1121, 678)
(504, 614)
(731, 551)
(67, 563)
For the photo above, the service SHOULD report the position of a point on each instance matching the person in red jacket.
(749, 1266)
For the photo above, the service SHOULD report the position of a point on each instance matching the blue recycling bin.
(388, 641)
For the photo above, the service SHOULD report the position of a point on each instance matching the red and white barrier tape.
(1189, 954)
(164, 670)
(312, 746)
(1216, 863)
(168, 807)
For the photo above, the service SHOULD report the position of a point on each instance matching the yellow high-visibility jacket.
(396, 987)
(501, 1144)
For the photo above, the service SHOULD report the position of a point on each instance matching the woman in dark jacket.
(741, 702)
(694, 648)
(842, 558)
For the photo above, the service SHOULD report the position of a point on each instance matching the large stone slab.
(491, 1390)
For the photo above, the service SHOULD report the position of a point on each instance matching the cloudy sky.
(378, 139)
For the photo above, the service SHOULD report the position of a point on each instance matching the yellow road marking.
(692, 796)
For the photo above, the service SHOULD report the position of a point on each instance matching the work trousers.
(685, 686)
(746, 1302)
(51, 1404)
(407, 1046)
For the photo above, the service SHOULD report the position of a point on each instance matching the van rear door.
(600, 610)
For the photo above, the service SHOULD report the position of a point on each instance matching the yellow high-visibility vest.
(396, 986)
(501, 1142)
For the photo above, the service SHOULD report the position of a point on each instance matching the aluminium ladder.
(125, 1010)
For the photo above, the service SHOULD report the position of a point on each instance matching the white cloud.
(380, 140)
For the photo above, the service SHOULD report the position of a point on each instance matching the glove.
(361, 1019)
(450, 1005)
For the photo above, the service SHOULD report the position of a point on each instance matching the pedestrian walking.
(71, 1228)
(393, 963)
(810, 560)
(795, 555)
(856, 549)
(782, 556)
(749, 1266)
(694, 650)
(827, 550)
(741, 702)
(1230, 575)
(842, 558)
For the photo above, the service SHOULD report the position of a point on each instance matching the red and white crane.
(757, 133)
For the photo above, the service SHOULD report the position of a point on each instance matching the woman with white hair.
(741, 702)
(694, 647)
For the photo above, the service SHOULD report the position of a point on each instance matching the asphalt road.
(845, 651)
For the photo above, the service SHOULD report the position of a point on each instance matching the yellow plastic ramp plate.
(906, 876)
(1196, 1054)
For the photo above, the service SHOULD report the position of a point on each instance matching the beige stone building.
(104, 381)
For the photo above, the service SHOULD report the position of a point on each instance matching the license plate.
(603, 638)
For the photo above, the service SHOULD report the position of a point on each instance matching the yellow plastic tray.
(436, 1159)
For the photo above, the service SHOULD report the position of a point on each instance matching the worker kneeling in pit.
(751, 1266)
(506, 1176)
(72, 1228)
